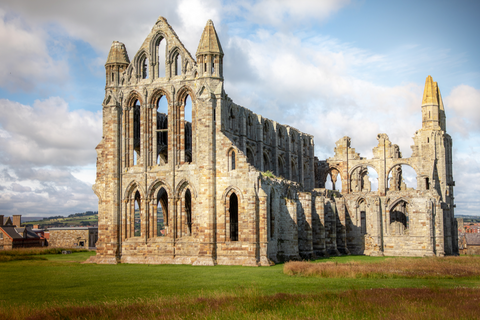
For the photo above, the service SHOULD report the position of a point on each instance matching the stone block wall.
(71, 238)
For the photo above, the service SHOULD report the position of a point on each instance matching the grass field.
(77, 221)
(60, 287)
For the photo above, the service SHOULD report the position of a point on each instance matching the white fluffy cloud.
(285, 12)
(47, 133)
(464, 104)
(311, 85)
(40, 147)
(101, 22)
(43, 191)
(24, 58)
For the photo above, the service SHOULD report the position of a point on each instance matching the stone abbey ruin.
(231, 187)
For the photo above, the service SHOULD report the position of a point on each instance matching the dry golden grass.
(431, 267)
(406, 303)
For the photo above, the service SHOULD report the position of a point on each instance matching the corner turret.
(117, 62)
(433, 112)
(210, 53)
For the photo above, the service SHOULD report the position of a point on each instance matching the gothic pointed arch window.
(250, 157)
(399, 218)
(176, 63)
(294, 170)
(137, 216)
(188, 136)
(144, 65)
(161, 48)
(136, 133)
(162, 131)
(281, 166)
(333, 180)
(188, 211)
(161, 218)
(266, 162)
(362, 210)
(233, 215)
(232, 160)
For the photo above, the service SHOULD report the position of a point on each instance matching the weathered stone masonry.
(232, 187)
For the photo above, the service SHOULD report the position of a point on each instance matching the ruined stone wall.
(396, 219)
(270, 146)
(233, 186)
(69, 238)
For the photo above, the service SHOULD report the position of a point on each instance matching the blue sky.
(330, 68)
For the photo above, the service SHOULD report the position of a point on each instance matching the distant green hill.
(76, 220)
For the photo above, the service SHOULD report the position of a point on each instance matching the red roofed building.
(13, 235)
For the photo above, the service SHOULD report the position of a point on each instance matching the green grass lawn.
(63, 278)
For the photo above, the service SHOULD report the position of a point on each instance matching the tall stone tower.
(434, 146)
(107, 186)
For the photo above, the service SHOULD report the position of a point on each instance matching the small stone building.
(13, 236)
(185, 175)
(73, 237)
(470, 243)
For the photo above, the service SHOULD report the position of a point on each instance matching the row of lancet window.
(363, 178)
(159, 67)
(158, 218)
(160, 139)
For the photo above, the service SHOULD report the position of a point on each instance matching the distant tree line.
(53, 217)
(83, 214)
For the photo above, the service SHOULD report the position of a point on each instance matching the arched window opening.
(334, 181)
(266, 130)
(177, 64)
(399, 218)
(113, 77)
(137, 216)
(232, 156)
(266, 163)
(251, 130)
(281, 167)
(188, 211)
(233, 217)
(280, 138)
(161, 49)
(162, 131)
(145, 68)
(401, 178)
(363, 179)
(213, 67)
(250, 157)
(363, 217)
(294, 171)
(188, 128)
(136, 132)
(162, 212)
